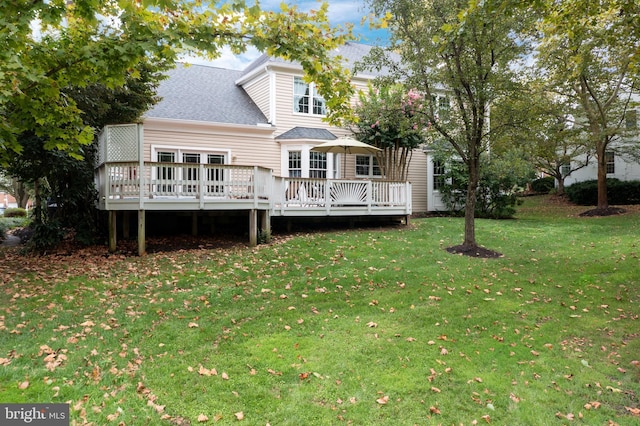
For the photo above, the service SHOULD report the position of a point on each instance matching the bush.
(543, 185)
(618, 192)
(15, 212)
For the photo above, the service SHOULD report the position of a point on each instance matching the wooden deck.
(159, 186)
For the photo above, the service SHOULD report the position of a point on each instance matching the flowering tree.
(390, 118)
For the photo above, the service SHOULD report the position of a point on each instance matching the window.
(215, 176)
(631, 119)
(305, 98)
(367, 166)
(443, 108)
(439, 177)
(565, 169)
(295, 164)
(191, 172)
(610, 159)
(317, 165)
(166, 172)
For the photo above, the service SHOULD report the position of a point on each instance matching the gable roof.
(307, 133)
(203, 93)
(351, 54)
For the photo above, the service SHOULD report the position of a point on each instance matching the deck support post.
(142, 244)
(125, 224)
(265, 225)
(406, 219)
(112, 231)
(253, 227)
(194, 224)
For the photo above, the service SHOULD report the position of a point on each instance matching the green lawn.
(365, 327)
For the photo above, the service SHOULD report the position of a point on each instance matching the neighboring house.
(622, 156)
(242, 141)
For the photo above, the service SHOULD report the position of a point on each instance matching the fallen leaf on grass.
(372, 324)
(193, 325)
(383, 400)
(633, 411)
(23, 385)
(202, 418)
(435, 389)
(239, 415)
(434, 410)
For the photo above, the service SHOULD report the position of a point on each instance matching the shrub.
(15, 212)
(543, 185)
(618, 192)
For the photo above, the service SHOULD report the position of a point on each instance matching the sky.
(341, 12)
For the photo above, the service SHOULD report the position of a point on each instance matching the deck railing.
(336, 193)
(129, 183)
(123, 180)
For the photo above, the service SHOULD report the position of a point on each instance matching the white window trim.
(179, 150)
(312, 92)
(371, 175)
(304, 150)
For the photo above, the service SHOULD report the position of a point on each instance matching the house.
(241, 143)
(621, 155)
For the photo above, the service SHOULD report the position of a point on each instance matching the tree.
(541, 126)
(589, 53)
(66, 182)
(17, 189)
(389, 118)
(466, 48)
(89, 41)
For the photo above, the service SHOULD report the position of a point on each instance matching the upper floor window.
(610, 159)
(631, 119)
(367, 166)
(306, 100)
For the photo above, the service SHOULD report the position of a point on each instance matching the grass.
(370, 326)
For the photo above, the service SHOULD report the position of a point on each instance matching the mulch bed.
(476, 251)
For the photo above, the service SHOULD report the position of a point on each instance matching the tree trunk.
(560, 190)
(603, 200)
(470, 207)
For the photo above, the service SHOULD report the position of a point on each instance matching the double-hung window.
(191, 171)
(166, 173)
(215, 176)
(306, 100)
(367, 166)
(610, 159)
(317, 165)
(295, 164)
(439, 175)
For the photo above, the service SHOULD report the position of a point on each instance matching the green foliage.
(501, 180)
(589, 54)
(87, 42)
(393, 120)
(465, 50)
(15, 212)
(619, 192)
(45, 236)
(543, 185)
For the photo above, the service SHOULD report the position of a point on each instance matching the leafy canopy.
(48, 46)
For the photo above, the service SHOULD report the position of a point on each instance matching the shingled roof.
(307, 133)
(203, 93)
(351, 54)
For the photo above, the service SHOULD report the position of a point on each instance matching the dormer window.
(306, 100)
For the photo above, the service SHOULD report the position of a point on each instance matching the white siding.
(243, 147)
(259, 93)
